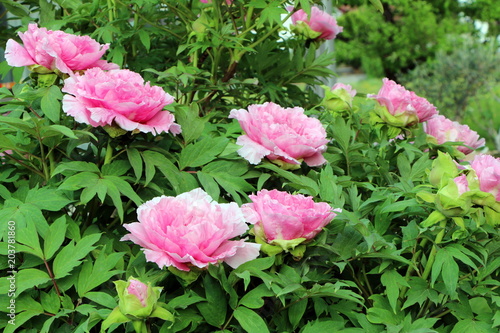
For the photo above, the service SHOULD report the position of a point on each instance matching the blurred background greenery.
(445, 50)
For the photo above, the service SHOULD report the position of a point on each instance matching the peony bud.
(339, 98)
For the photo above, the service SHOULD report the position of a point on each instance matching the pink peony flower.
(347, 87)
(444, 130)
(403, 105)
(320, 25)
(120, 97)
(139, 290)
(56, 50)
(487, 169)
(462, 184)
(283, 135)
(339, 97)
(278, 215)
(191, 230)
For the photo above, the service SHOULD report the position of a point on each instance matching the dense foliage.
(406, 34)
(363, 219)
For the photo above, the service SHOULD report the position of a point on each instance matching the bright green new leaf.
(55, 237)
(250, 321)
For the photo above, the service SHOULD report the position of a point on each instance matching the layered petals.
(279, 215)
(118, 97)
(402, 107)
(445, 130)
(56, 51)
(191, 230)
(283, 135)
(319, 25)
(487, 169)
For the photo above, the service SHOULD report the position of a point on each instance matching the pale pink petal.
(16, 55)
(250, 150)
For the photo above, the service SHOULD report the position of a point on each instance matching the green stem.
(432, 255)
(411, 268)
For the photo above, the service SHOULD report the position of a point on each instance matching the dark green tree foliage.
(457, 80)
(405, 34)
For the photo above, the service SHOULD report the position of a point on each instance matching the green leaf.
(69, 257)
(393, 282)
(101, 271)
(399, 206)
(378, 5)
(16, 8)
(254, 299)
(202, 152)
(181, 181)
(296, 312)
(250, 321)
(209, 184)
(102, 298)
(299, 182)
(47, 199)
(473, 326)
(124, 188)
(28, 236)
(50, 301)
(63, 130)
(145, 39)
(445, 265)
(75, 166)
(78, 181)
(215, 308)
(185, 300)
(51, 105)
(134, 157)
(55, 237)
(29, 278)
(72, 4)
(190, 121)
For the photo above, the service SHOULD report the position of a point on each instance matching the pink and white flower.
(487, 169)
(404, 107)
(56, 50)
(319, 25)
(445, 130)
(191, 230)
(279, 215)
(283, 135)
(120, 97)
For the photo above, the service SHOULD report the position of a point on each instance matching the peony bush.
(171, 167)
